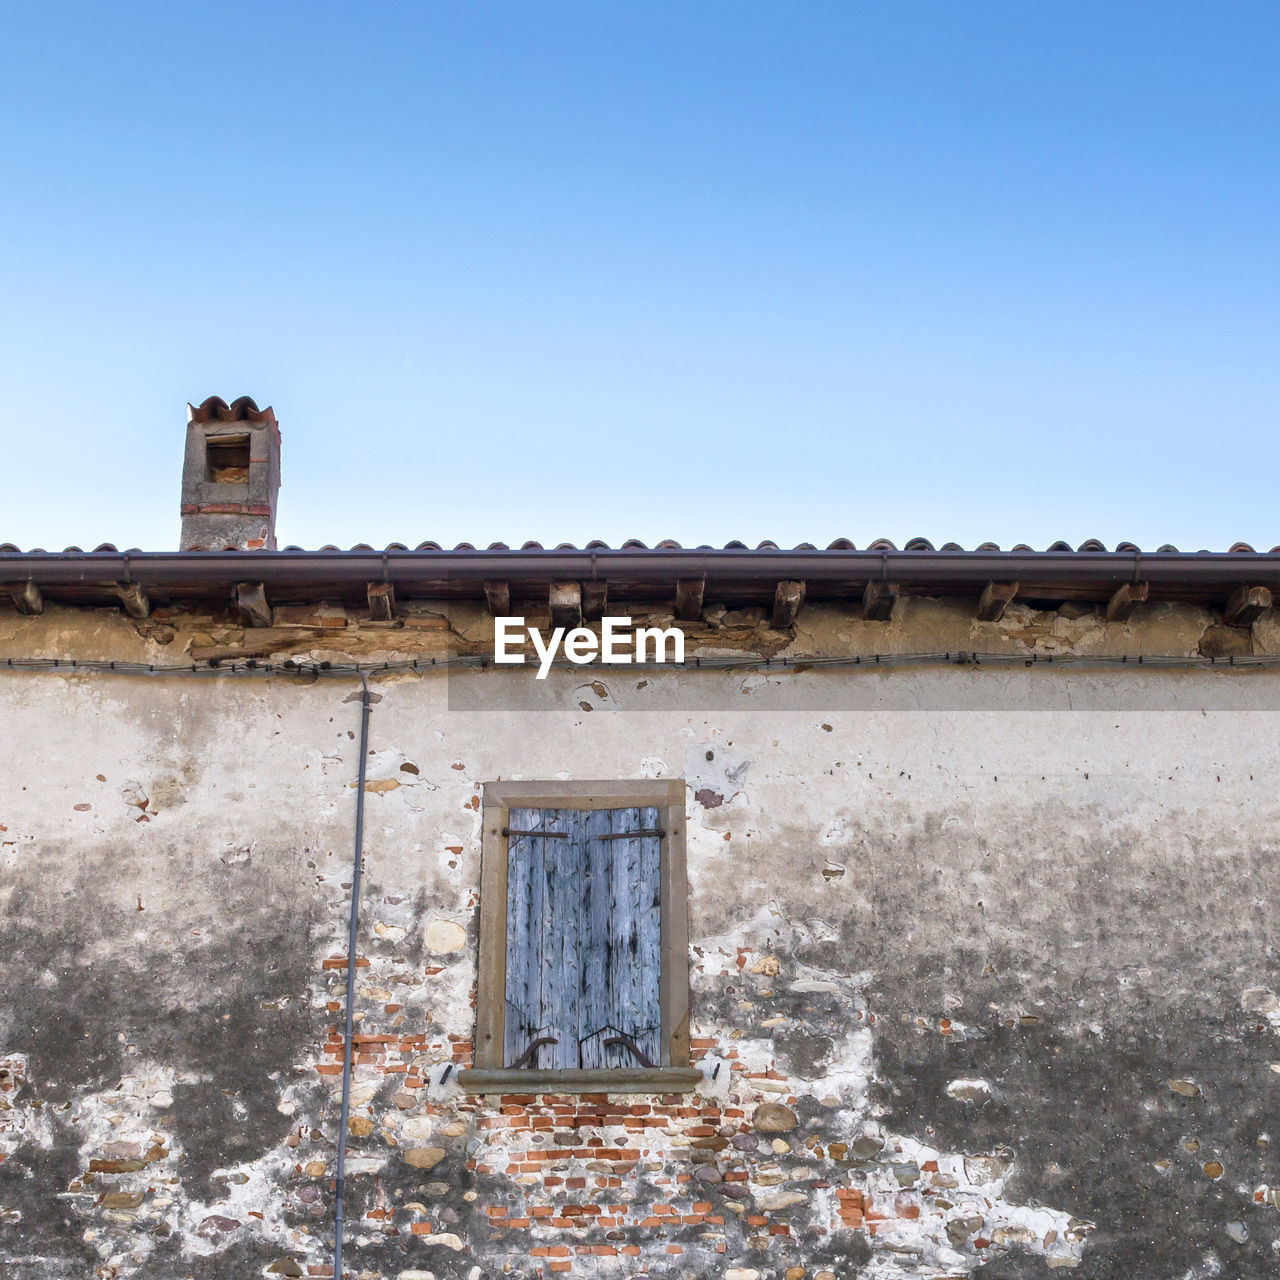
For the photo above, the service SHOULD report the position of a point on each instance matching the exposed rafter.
(689, 592)
(995, 599)
(788, 596)
(26, 597)
(565, 599)
(134, 598)
(497, 595)
(1128, 596)
(251, 601)
(594, 596)
(878, 600)
(382, 601)
(1245, 604)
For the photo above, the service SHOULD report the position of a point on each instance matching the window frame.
(673, 1074)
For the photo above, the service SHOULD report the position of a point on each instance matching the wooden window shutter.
(584, 927)
(621, 938)
(541, 922)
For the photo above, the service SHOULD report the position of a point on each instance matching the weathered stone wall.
(986, 959)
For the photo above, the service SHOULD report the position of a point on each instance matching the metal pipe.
(334, 568)
(353, 926)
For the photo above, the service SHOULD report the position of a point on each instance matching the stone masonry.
(983, 961)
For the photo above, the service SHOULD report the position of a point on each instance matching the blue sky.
(558, 271)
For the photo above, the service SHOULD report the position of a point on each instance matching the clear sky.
(557, 271)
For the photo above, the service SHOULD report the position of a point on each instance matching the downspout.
(353, 924)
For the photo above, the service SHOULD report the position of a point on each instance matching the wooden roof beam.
(565, 599)
(497, 595)
(1245, 604)
(26, 597)
(878, 600)
(689, 592)
(788, 596)
(995, 599)
(251, 601)
(1126, 598)
(594, 596)
(382, 601)
(134, 598)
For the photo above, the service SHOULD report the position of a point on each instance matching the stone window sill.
(622, 1080)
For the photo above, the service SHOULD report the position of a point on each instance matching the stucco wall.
(998, 946)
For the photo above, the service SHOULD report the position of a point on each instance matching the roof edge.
(954, 568)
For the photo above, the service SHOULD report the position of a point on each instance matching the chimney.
(230, 477)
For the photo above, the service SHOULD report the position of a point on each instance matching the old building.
(922, 922)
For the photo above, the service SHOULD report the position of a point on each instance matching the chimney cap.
(244, 409)
(230, 476)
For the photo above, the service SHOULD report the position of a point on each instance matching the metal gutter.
(331, 568)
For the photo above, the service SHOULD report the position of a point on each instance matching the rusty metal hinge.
(628, 1043)
(534, 1046)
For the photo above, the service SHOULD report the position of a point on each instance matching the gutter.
(1201, 569)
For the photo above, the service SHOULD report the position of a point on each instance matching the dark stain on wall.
(49, 1229)
(87, 999)
(1087, 1117)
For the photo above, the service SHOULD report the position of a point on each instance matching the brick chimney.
(230, 477)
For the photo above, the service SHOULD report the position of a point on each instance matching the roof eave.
(960, 571)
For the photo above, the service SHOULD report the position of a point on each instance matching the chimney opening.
(227, 459)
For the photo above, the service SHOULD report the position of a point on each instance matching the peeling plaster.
(937, 918)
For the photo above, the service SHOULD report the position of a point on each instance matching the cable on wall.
(222, 667)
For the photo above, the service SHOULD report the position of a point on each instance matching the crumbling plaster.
(1017, 924)
(425, 629)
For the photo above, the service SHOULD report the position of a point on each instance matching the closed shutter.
(584, 929)
(621, 937)
(537, 997)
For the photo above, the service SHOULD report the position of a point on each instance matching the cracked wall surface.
(983, 970)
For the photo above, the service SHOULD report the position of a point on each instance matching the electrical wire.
(221, 667)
